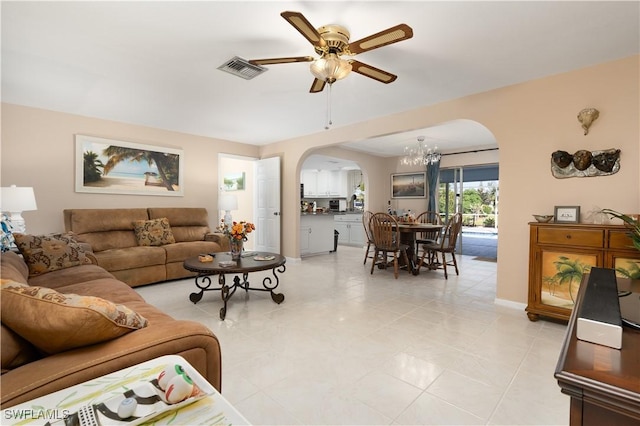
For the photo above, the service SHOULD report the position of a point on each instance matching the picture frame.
(409, 185)
(234, 181)
(107, 166)
(567, 214)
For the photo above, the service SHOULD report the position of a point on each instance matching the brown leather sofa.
(110, 232)
(28, 372)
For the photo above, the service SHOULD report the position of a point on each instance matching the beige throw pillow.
(47, 253)
(54, 322)
(154, 232)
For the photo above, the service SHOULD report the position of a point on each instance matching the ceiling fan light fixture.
(330, 68)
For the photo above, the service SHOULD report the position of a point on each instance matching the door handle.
(276, 213)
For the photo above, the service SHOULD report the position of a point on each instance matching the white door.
(267, 205)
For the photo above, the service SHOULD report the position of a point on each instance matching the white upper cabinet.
(324, 183)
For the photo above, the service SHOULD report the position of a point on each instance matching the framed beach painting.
(106, 166)
(409, 185)
(234, 181)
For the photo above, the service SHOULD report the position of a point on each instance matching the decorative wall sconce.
(584, 163)
(586, 117)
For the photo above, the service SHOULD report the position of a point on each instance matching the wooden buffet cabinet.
(561, 253)
(603, 383)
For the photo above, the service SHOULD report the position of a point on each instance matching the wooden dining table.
(408, 232)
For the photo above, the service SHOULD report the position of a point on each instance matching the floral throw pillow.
(54, 322)
(47, 253)
(154, 232)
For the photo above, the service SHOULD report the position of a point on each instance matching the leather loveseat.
(112, 235)
(44, 339)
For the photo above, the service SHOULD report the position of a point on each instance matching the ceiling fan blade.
(305, 28)
(372, 72)
(281, 60)
(390, 35)
(317, 86)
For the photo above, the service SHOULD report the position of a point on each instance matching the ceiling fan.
(331, 42)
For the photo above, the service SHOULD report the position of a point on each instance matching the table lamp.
(227, 202)
(16, 200)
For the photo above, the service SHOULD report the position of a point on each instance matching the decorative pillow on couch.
(154, 232)
(54, 322)
(47, 253)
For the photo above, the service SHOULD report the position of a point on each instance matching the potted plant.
(632, 223)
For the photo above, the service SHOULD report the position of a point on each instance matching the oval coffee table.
(249, 262)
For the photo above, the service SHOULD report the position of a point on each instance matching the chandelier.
(420, 154)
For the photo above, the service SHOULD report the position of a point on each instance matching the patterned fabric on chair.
(447, 244)
(385, 242)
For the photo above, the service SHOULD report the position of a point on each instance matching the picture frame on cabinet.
(107, 166)
(567, 214)
(409, 185)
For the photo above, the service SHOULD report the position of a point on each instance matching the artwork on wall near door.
(234, 181)
(409, 185)
(105, 166)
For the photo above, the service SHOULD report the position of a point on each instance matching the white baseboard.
(510, 304)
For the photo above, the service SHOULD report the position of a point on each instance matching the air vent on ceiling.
(242, 68)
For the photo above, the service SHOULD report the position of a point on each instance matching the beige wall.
(38, 150)
(529, 121)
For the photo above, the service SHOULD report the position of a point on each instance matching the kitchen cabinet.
(560, 254)
(324, 183)
(351, 230)
(316, 234)
(305, 239)
(310, 180)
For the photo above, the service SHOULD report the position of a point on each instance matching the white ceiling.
(155, 63)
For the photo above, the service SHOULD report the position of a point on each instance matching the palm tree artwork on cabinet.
(561, 275)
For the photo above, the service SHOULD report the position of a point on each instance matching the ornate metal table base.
(204, 283)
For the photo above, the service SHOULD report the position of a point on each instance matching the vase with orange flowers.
(237, 234)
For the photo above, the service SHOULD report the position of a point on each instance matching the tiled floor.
(347, 347)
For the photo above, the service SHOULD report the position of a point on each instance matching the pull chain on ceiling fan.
(331, 42)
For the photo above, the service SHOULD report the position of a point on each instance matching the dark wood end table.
(248, 263)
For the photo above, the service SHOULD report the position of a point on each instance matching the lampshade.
(18, 199)
(330, 68)
(227, 202)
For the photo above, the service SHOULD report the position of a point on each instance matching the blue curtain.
(433, 170)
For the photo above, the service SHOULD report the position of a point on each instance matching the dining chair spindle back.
(447, 244)
(366, 219)
(386, 242)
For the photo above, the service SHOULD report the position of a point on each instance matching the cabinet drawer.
(571, 237)
(620, 240)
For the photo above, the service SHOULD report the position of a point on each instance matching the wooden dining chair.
(366, 218)
(385, 242)
(447, 244)
(428, 236)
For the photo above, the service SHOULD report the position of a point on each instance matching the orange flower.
(237, 230)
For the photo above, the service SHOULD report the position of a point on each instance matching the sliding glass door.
(472, 191)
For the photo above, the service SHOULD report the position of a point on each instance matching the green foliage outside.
(478, 204)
